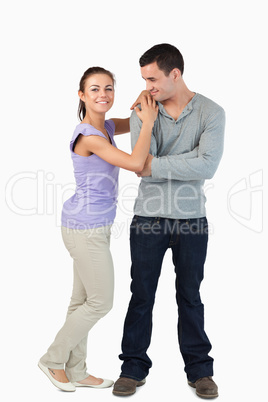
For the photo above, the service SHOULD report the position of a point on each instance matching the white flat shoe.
(104, 384)
(64, 386)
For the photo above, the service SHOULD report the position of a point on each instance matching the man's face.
(161, 87)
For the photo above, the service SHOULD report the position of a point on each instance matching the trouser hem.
(194, 378)
(77, 379)
(54, 366)
(131, 377)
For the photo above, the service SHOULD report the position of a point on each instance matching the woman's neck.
(95, 120)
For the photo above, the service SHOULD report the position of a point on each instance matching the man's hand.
(147, 170)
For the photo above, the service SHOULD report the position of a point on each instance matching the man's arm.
(147, 169)
(204, 165)
(135, 127)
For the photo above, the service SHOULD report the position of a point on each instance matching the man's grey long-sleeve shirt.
(186, 151)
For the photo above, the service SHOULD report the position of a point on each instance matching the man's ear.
(176, 74)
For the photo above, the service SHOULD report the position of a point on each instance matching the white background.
(46, 47)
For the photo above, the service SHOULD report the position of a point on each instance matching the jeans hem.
(131, 377)
(196, 377)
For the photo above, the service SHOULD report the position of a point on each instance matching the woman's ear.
(81, 95)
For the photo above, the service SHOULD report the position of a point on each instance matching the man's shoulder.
(133, 116)
(207, 104)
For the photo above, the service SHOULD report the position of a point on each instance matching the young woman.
(86, 222)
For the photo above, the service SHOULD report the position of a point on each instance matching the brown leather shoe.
(205, 387)
(126, 386)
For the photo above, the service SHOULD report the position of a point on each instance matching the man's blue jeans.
(149, 240)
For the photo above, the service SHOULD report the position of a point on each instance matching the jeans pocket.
(199, 226)
(148, 221)
(144, 230)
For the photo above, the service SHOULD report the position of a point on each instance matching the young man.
(186, 148)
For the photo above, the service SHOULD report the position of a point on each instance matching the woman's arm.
(134, 162)
(121, 126)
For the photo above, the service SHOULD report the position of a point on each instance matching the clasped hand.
(147, 171)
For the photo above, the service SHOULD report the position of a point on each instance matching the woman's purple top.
(95, 198)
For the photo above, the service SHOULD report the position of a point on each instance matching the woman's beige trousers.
(92, 298)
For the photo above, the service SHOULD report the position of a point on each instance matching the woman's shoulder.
(110, 126)
(83, 129)
(86, 129)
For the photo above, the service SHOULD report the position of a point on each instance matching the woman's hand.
(149, 110)
(138, 100)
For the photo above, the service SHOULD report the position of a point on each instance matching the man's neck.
(174, 106)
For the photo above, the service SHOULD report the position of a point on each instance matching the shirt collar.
(188, 108)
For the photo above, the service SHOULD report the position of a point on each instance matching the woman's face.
(98, 94)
